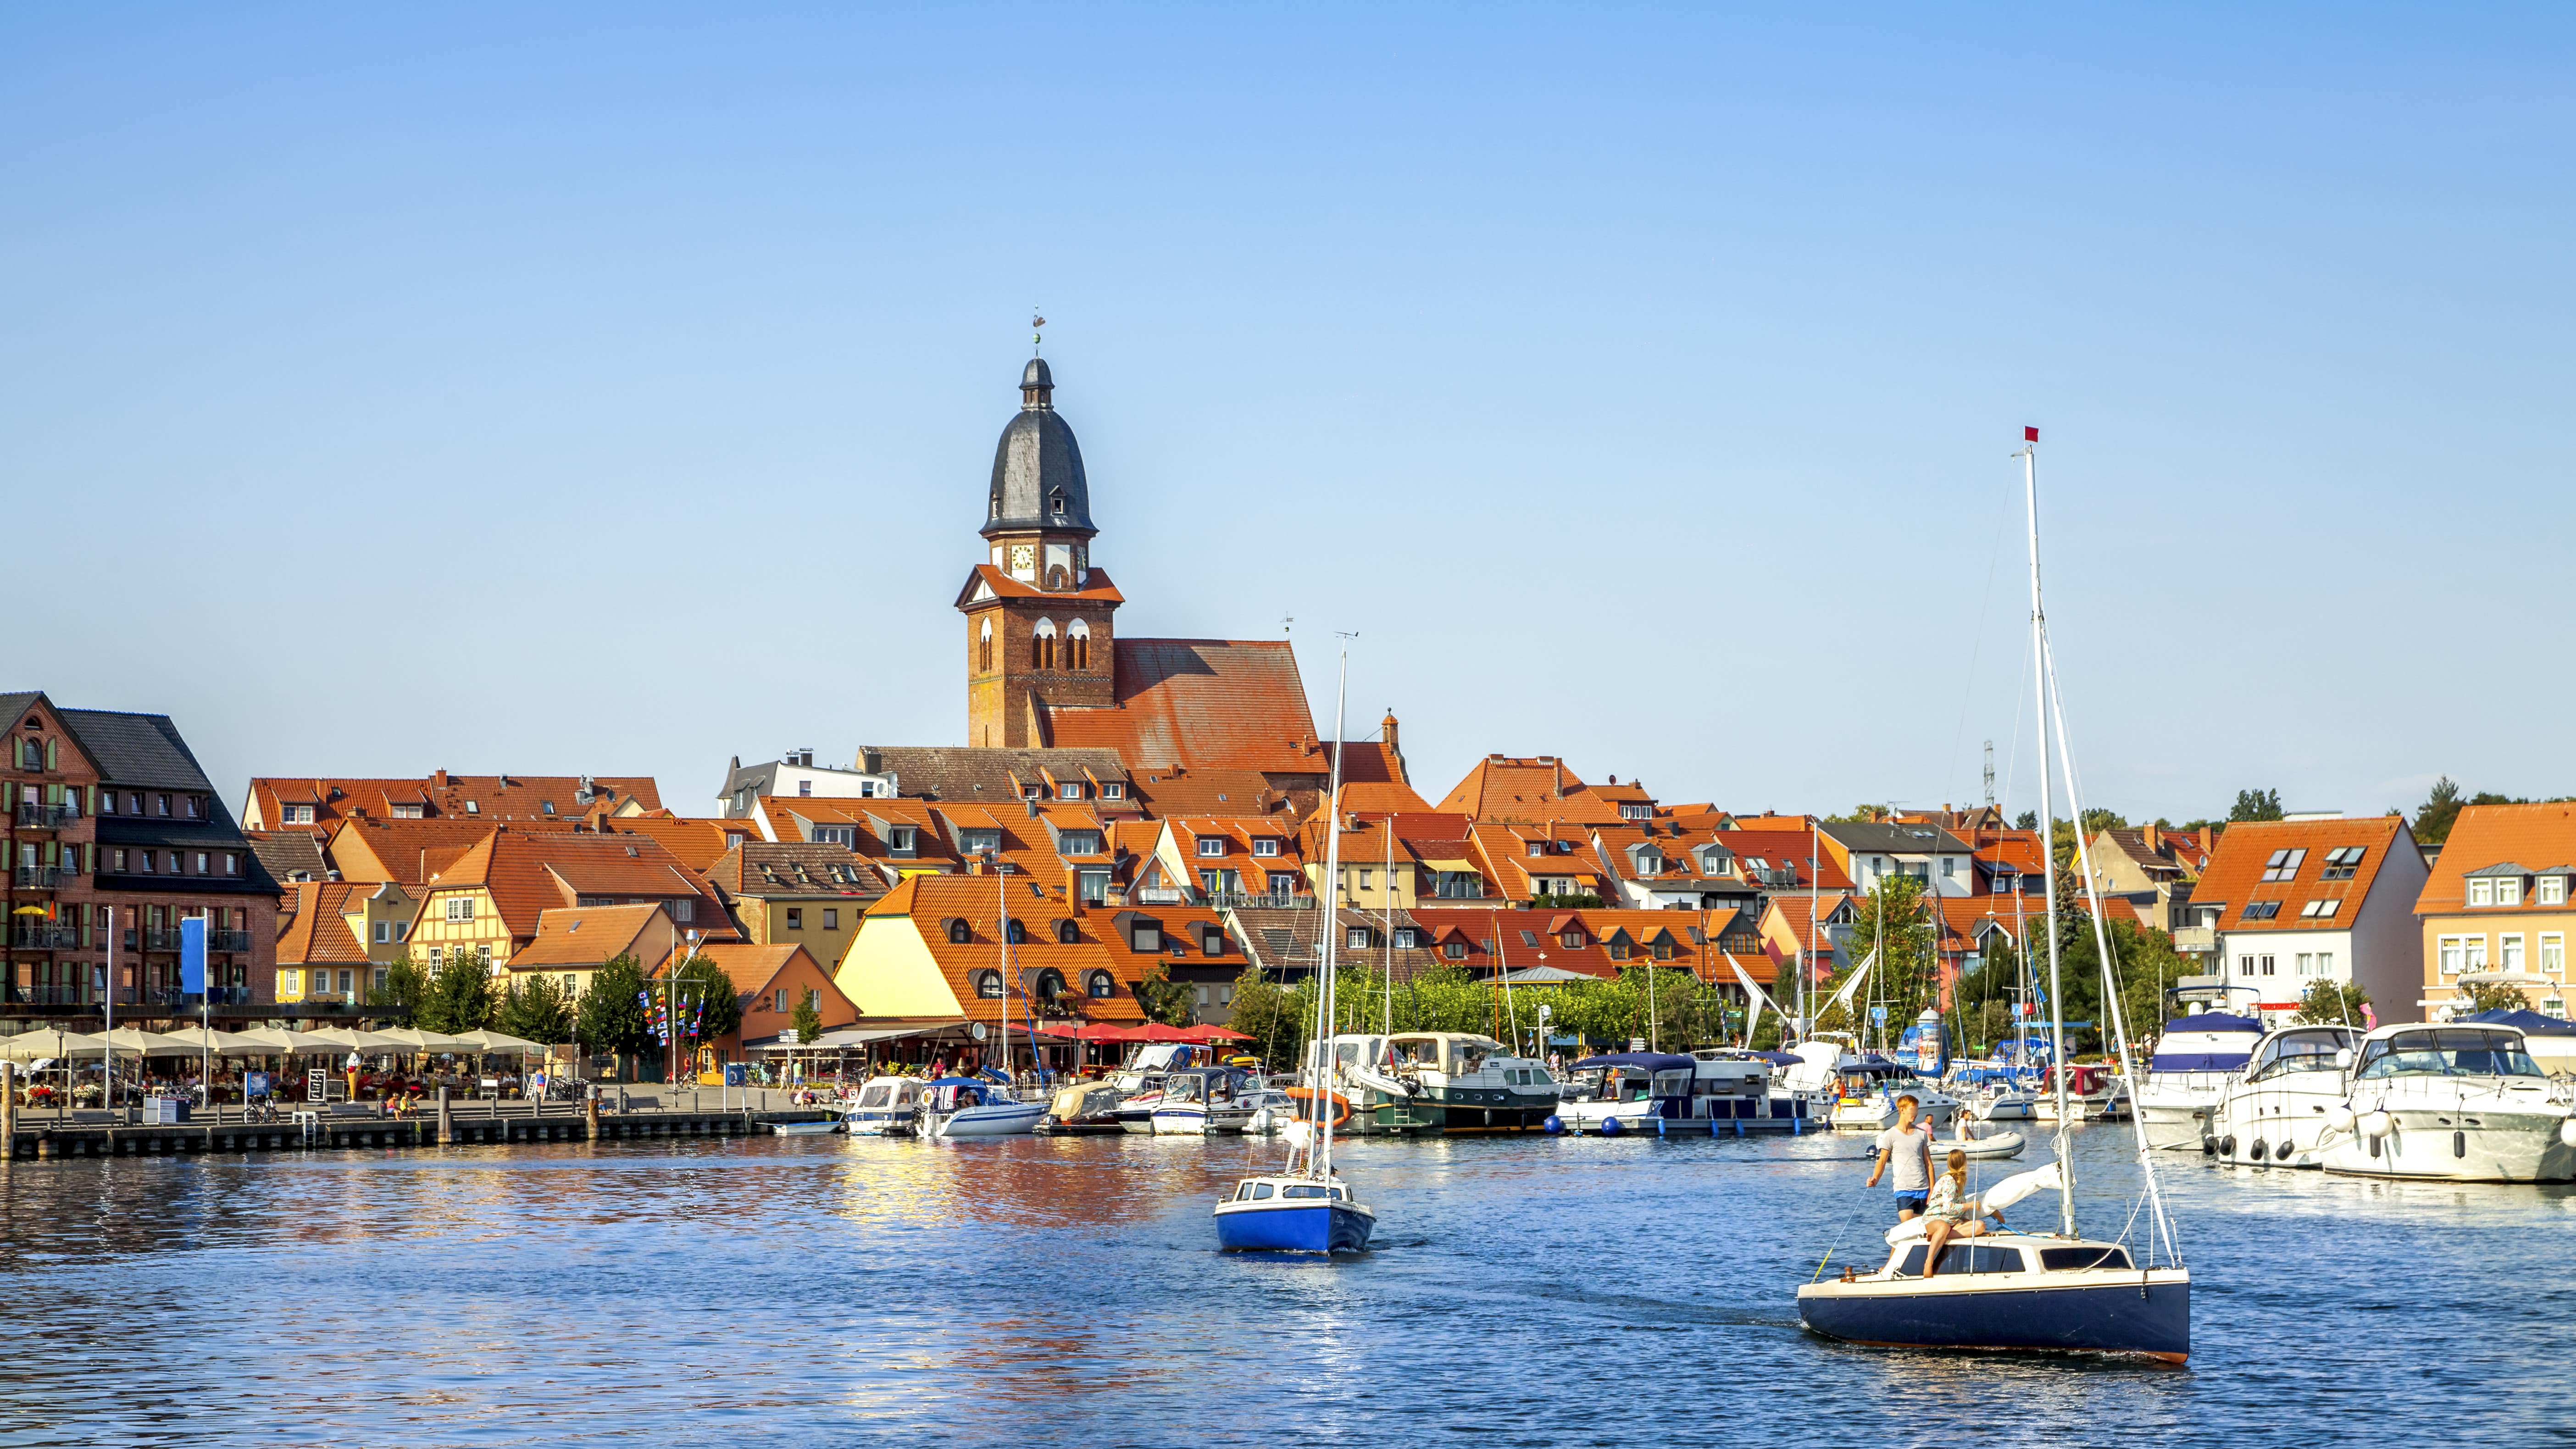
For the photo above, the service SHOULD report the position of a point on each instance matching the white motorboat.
(1196, 1103)
(1704, 1094)
(2007, 1102)
(2452, 1103)
(1271, 1110)
(971, 1107)
(2274, 1113)
(1083, 1109)
(805, 1129)
(2093, 1094)
(2194, 1060)
(886, 1108)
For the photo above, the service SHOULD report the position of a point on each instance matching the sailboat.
(2009, 1290)
(1308, 1208)
(983, 1104)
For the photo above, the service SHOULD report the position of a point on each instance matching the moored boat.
(2452, 1103)
(954, 1107)
(2274, 1113)
(2194, 1060)
(887, 1107)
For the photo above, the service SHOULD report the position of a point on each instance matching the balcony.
(38, 877)
(2195, 940)
(43, 936)
(1773, 880)
(1222, 900)
(175, 999)
(1162, 896)
(159, 938)
(228, 940)
(50, 995)
(44, 817)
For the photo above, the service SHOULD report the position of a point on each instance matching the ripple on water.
(1560, 1291)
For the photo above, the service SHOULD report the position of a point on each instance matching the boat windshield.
(2449, 1051)
(1467, 1055)
(1183, 1089)
(877, 1094)
(2305, 1051)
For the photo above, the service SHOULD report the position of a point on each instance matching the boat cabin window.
(876, 1095)
(1256, 1191)
(1467, 1055)
(1337, 1194)
(1301, 1190)
(2447, 1052)
(1963, 1258)
(1414, 1052)
(1181, 1089)
(2068, 1260)
(2298, 1052)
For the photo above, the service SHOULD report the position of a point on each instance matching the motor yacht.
(1703, 1094)
(2194, 1060)
(1200, 1101)
(2454, 1103)
(887, 1107)
(1865, 1088)
(1418, 1083)
(2274, 1112)
(2094, 1093)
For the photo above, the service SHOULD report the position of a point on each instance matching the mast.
(1319, 1163)
(1002, 927)
(1386, 925)
(2047, 827)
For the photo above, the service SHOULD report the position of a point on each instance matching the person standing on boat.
(1908, 1147)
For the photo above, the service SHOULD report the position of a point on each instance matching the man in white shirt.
(1908, 1147)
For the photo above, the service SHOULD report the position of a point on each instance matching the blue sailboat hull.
(1293, 1227)
(2127, 1317)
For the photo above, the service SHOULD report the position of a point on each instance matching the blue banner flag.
(192, 955)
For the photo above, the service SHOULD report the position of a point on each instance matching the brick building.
(114, 837)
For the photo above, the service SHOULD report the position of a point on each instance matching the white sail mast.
(2047, 828)
(1320, 1162)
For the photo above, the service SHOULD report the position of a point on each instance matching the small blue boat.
(1292, 1215)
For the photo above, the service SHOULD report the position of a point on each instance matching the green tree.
(1163, 999)
(2432, 824)
(535, 1009)
(1892, 921)
(1863, 815)
(704, 981)
(404, 988)
(1586, 901)
(808, 1020)
(2144, 964)
(460, 995)
(2256, 805)
(2494, 996)
(2026, 820)
(2100, 818)
(611, 1020)
(2332, 1003)
(1274, 1016)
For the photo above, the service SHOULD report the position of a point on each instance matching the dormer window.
(1079, 842)
(1355, 938)
(979, 842)
(1538, 847)
(1211, 846)
(1572, 939)
(1055, 503)
(1067, 934)
(1636, 812)
(1112, 790)
(1014, 932)
(902, 839)
(2551, 891)
(1069, 790)
(988, 985)
(958, 933)
(1265, 846)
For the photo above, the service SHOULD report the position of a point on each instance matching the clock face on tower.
(1024, 559)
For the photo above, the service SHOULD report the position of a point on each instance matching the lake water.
(1064, 1291)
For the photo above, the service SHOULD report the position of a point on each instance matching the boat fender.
(2339, 1117)
(2282, 1150)
(1554, 1124)
(2227, 1144)
(2208, 1146)
(2375, 1124)
(2258, 1153)
(2567, 1132)
(1609, 1126)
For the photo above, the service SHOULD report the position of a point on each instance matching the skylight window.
(2341, 864)
(2320, 910)
(2262, 910)
(2284, 865)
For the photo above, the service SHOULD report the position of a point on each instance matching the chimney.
(2154, 841)
(1073, 891)
(440, 779)
(1388, 725)
(1556, 768)
(2208, 840)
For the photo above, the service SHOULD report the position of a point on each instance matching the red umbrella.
(1218, 1033)
(1156, 1031)
(1099, 1031)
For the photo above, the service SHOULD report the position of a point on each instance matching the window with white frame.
(2553, 953)
(384, 932)
(2509, 952)
(2325, 963)
(2266, 962)
(1355, 938)
(2508, 890)
(290, 983)
(2320, 910)
(299, 814)
(2482, 891)
(2448, 953)
(1112, 790)
(1265, 847)
(2474, 953)
(2283, 864)
(2307, 963)
(460, 908)
(1211, 845)
(2551, 890)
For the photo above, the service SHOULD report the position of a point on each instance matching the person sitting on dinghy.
(1952, 1213)
(1909, 1147)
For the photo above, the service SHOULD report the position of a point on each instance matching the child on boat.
(1949, 1212)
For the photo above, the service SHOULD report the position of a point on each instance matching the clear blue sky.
(613, 388)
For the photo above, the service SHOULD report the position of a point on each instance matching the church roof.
(1200, 703)
(1037, 466)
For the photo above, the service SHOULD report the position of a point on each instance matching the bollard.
(446, 1127)
(9, 1108)
(590, 1113)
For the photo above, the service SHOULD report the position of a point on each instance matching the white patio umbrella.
(128, 1039)
(349, 1039)
(415, 1040)
(281, 1041)
(196, 1039)
(28, 1046)
(500, 1041)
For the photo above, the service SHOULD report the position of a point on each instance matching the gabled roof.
(1212, 703)
(289, 854)
(136, 749)
(1175, 790)
(528, 873)
(2486, 837)
(762, 868)
(1497, 945)
(695, 842)
(969, 772)
(592, 935)
(1537, 787)
(414, 851)
(925, 903)
(316, 929)
(494, 798)
(2235, 875)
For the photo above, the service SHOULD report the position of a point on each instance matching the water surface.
(1033, 1291)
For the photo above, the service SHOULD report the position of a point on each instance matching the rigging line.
(1976, 645)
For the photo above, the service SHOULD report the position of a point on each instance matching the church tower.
(1038, 615)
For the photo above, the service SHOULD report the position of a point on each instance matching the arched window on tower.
(1077, 646)
(984, 650)
(1042, 645)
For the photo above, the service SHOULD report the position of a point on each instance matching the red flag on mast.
(2030, 435)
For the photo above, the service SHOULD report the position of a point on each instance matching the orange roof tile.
(2538, 838)
(1216, 703)
(1538, 787)
(2235, 878)
(930, 902)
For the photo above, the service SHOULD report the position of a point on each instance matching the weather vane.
(1037, 336)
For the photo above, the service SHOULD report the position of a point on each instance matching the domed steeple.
(1038, 483)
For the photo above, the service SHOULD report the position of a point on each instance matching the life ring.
(1341, 1104)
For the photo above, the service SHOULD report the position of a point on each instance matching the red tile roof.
(1539, 787)
(528, 874)
(1211, 703)
(2235, 875)
(2535, 837)
(317, 931)
(496, 797)
(928, 903)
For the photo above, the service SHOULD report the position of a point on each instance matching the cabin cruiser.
(1139, 1079)
(972, 1107)
(2455, 1103)
(2194, 1060)
(1200, 1101)
(1083, 1109)
(1704, 1094)
(1865, 1088)
(2274, 1113)
(1420, 1083)
(886, 1107)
